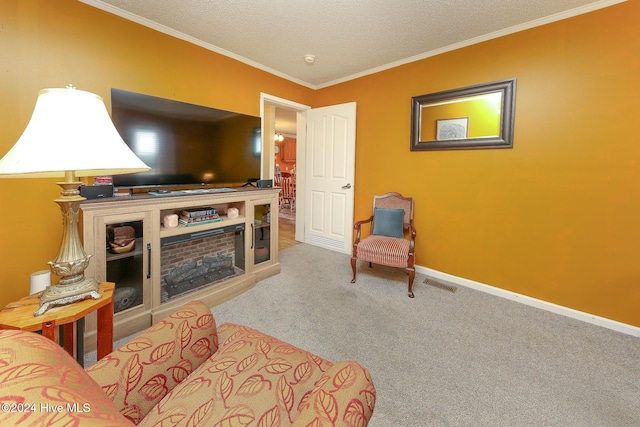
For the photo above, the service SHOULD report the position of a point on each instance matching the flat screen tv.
(185, 144)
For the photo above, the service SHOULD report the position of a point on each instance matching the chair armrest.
(412, 233)
(358, 226)
(344, 395)
(140, 373)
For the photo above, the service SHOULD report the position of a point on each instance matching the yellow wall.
(53, 43)
(556, 217)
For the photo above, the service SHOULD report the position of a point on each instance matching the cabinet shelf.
(181, 229)
(136, 251)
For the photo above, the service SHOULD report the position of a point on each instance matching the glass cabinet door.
(128, 262)
(261, 241)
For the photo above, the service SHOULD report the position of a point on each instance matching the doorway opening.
(285, 169)
(283, 161)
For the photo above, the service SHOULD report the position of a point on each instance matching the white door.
(329, 176)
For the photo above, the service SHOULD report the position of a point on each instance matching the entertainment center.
(212, 261)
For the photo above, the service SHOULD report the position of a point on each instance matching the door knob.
(346, 187)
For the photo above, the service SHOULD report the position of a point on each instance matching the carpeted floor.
(443, 358)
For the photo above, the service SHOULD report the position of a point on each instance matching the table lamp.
(70, 135)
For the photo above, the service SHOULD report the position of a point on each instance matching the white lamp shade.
(70, 130)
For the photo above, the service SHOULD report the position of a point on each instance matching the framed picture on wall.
(448, 129)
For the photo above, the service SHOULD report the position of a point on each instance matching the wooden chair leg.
(353, 267)
(412, 275)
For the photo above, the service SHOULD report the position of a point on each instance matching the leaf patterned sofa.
(181, 371)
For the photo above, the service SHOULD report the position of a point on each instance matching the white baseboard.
(533, 302)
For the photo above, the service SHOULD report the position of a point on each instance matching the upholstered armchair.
(392, 238)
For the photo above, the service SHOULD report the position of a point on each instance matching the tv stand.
(213, 260)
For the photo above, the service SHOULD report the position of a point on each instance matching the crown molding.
(496, 34)
(182, 36)
(501, 33)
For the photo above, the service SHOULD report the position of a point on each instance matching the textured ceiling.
(349, 38)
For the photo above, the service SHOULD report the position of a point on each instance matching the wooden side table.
(19, 315)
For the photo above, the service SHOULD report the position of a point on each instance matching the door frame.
(268, 149)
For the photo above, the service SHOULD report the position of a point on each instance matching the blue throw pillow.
(388, 222)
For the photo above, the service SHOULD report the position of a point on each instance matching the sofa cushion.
(343, 396)
(41, 384)
(258, 380)
(139, 374)
(254, 378)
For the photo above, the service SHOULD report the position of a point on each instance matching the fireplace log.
(190, 276)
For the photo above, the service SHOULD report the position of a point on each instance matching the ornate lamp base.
(66, 294)
(71, 260)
